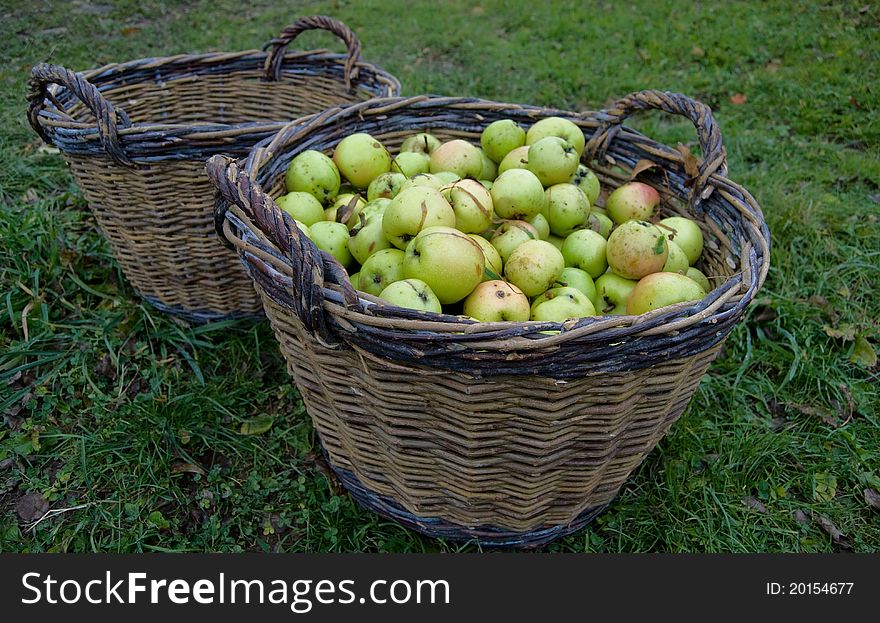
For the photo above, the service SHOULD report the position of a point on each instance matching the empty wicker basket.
(136, 136)
(497, 432)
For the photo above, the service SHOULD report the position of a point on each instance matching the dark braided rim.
(54, 89)
(313, 285)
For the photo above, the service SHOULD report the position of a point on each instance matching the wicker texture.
(499, 432)
(136, 136)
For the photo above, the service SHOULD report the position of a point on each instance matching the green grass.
(132, 421)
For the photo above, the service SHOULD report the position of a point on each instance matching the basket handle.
(714, 154)
(108, 116)
(311, 267)
(275, 58)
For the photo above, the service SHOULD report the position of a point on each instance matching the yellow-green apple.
(517, 194)
(556, 241)
(633, 201)
(472, 205)
(578, 279)
(385, 186)
(412, 294)
(677, 261)
(553, 160)
(534, 266)
(360, 158)
(517, 159)
(367, 238)
(661, 289)
(501, 137)
(459, 157)
(489, 170)
(314, 173)
(354, 280)
(345, 209)
(423, 179)
(409, 163)
(561, 304)
(585, 249)
(566, 207)
(511, 234)
(636, 249)
(699, 277)
(373, 208)
(600, 224)
(380, 270)
(557, 126)
(448, 260)
(447, 177)
(305, 229)
(422, 142)
(494, 265)
(539, 222)
(497, 301)
(332, 238)
(612, 293)
(411, 211)
(487, 184)
(686, 234)
(587, 181)
(302, 206)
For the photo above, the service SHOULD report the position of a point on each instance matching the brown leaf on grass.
(106, 368)
(822, 413)
(738, 99)
(31, 507)
(846, 332)
(773, 65)
(855, 103)
(755, 503)
(872, 498)
(129, 31)
(30, 196)
(863, 353)
(836, 535)
(698, 51)
(849, 409)
(763, 314)
(801, 517)
(642, 165)
(187, 468)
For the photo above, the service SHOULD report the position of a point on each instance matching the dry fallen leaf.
(755, 503)
(698, 51)
(836, 535)
(31, 507)
(845, 332)
(863, 353)
(691, 166)
(642, 165)
(191, 468)
(872, 498)
(738, 99)
(801, 517)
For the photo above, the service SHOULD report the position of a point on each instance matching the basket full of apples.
(493, 312)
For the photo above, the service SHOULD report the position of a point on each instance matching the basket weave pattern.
(465, 429)
(136, 136)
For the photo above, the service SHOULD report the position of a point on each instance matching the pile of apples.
(509, 231)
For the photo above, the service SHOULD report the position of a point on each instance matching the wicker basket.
(136, 136)
(496, 432)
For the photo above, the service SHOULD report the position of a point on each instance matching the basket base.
(485, 536)
(199, 317)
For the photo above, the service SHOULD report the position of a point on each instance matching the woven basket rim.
(249, 219)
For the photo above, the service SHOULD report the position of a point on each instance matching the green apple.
(612, 293)
(360, 158)
(636, 249)
(661, 289)
(459, 157)
(385, 186)
(489, 170)
(700, 278)
(497, 301)
(501, 137)
(447, 177)
(449, 261)
(354, 280)
(677, 261)
(376, 207)
(557, 126)
(409, 163)
(314, 173)
(305, 229)
(380, 270)
(517, 159)
(412, 294)
(556, 241)
(561, 304)
(421, 143)
(578, 279)
(686, 234)
(411, 211)
(494, 265)
(332, 238)
(585, 249)
(553, 160)
(345, 209)
(302, 206)
(368, 238)
(600, 224)
(539, 222)
(517, 194)
(587, 181)
(472, 205)
(566, 207)
(534, 266)
(487, 184)
(633, 201)
(422, 179)
(511, 234)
